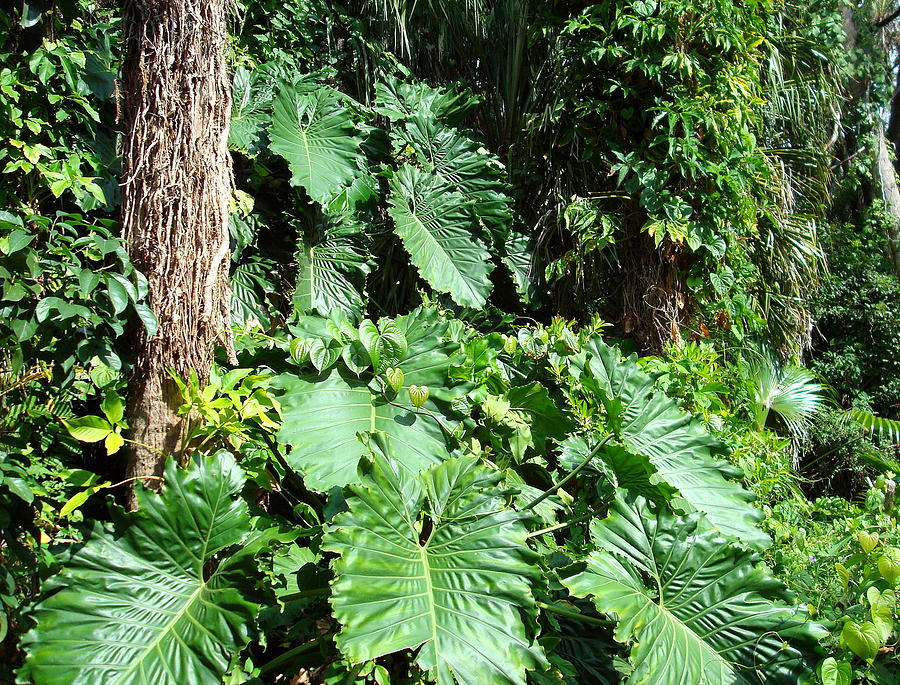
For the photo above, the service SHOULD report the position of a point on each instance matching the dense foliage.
(565, 351)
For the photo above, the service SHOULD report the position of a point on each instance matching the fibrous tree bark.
(176, 188)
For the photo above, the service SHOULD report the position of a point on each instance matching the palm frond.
(790, 391)
(888, 429)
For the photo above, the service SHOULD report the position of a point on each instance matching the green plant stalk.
(291, 654)
(559, 526)
(578, 469)
(553, 609)
(303, 594)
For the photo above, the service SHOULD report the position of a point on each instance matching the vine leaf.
(145, 607)
(458, 595)
(386, 347)
(712, 614)
(315, 132)
(440, 234)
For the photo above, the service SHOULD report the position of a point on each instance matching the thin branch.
(888, 19)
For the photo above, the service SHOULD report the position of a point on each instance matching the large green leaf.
(467, 167)
(163, 601)
(252, 93)
(888, 429)
(440, 234)
(456, 588)
(517, 253)
(398, 100)
(316, 133)
(331, 268)
(323, 414)
(710, 613)
(677, 445)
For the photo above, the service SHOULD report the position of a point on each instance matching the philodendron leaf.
(162, 602)
(677, 446)
(434, 562)
(440, 234)
(317, 135)
(323, 414)
(710, 612)
(332, 263)
(469, 169)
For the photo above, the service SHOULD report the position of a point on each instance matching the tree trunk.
(886, 178)
(655, 305)
(176, 106)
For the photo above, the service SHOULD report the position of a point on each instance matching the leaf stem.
(578, 469)
(578, 616)
(146, 447)
(559, 526)
(128, 480)
(289, 655)
(302, 594)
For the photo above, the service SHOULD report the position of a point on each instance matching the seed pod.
(509, 344)
(418, 394)
(394, 377)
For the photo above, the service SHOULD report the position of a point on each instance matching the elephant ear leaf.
(323, 415)
(164, 601)
(332, 263)
(440, 233)
(315, 132)
(709, 613)
(434, 562)
(677, 446)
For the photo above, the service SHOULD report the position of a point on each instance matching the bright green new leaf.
(386, 347)
(435, 562)
(881, 609)
(440, 234)
(113, 442)
(315, 132)
(710, 612)
(88, 428)
(833, 672)
(164, 601)
(889, 565)
(113, 406)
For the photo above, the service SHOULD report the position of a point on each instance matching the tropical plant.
(401, 463)
(789, 391)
